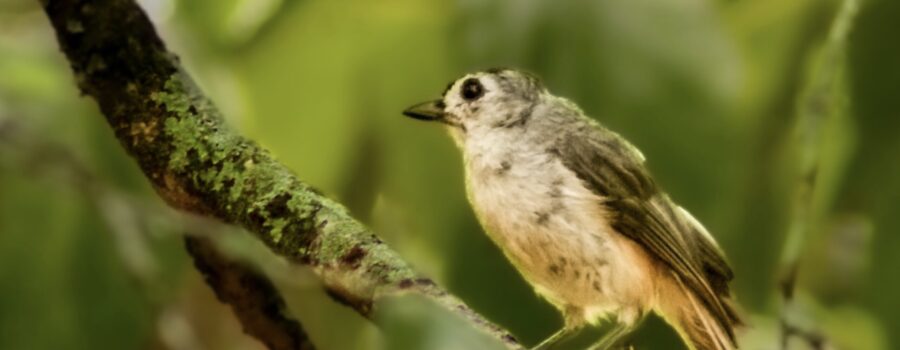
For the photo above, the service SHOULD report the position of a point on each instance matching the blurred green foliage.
(707, 89)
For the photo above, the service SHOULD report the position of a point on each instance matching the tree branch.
(198, 165)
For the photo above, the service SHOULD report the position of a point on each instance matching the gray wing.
(614, 169)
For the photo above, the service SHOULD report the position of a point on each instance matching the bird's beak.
(431, 110)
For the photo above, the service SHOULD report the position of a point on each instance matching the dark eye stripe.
(471, 89)
(449, 86)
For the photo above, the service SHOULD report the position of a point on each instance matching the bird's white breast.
(553, 229)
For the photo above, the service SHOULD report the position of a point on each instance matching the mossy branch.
(197, 164)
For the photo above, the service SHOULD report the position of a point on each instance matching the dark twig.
(254, 299)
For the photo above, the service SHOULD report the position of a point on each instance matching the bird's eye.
(472, 89)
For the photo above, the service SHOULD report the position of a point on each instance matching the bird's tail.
(693, 320)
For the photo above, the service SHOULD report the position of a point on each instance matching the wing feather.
(614, 169)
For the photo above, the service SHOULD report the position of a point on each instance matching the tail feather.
(695, 323)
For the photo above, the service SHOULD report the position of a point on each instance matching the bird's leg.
(560, 336)
(574, 322)
(613, 337)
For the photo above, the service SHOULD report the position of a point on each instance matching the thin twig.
(815, 108)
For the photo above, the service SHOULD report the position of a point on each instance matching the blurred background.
(762, 118)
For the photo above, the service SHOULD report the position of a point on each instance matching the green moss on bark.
(246, 186)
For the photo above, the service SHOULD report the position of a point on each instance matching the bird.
(573, 207)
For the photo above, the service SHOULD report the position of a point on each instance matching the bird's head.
(496, 98)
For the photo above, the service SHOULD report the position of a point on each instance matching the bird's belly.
(558, 237)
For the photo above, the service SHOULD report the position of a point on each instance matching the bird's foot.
(560, 336)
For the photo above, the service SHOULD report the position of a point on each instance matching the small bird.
(573, 207)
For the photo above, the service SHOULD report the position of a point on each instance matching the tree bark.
(197, 164)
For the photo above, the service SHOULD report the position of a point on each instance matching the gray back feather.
(614, 169)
